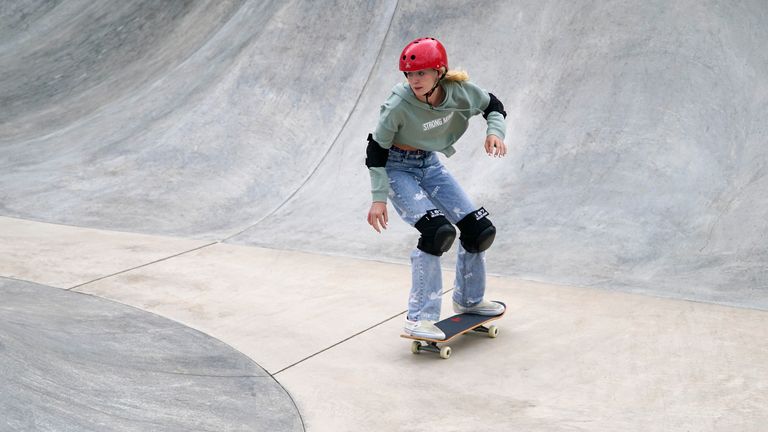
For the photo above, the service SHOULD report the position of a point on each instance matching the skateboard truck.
(445, 351)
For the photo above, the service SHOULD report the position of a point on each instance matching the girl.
(428, 115)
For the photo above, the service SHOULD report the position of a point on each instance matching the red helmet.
(423, 53)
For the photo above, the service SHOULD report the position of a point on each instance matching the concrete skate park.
(183, 243)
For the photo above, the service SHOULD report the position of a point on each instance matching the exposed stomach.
(405, 147)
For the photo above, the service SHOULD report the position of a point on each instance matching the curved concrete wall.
(192, 120)
(636, 130)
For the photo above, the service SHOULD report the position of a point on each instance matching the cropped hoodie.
(408, 121)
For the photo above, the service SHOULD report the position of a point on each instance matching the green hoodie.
(408, 121)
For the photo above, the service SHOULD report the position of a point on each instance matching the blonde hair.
(456, 75)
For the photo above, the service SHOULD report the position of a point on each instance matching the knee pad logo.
(481, 213)
(434, 213)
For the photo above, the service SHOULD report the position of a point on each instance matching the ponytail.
(456, 75)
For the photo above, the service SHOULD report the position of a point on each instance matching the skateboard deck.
(454, 326)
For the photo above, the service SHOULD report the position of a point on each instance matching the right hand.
(377, 215)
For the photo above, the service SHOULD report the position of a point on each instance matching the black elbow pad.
(376, 156)
(494, 105)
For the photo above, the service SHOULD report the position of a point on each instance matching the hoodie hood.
(449, 103)
(404, 91)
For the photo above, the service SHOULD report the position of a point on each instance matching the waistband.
(408, 152)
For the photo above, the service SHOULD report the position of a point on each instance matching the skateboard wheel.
(493, 331)
(416, 347)
(445, 352)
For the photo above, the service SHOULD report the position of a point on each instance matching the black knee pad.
(437, 233)
(477, 231)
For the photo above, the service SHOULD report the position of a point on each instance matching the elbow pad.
(376, 155)
(494, 105)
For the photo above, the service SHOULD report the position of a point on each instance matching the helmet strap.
(434, 87)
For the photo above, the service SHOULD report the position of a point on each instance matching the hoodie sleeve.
(389, 123)
(480, 99)
(384, 135)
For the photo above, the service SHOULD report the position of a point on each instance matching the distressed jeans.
(418, 182)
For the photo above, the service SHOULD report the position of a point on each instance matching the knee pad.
(437, 233)
(477, 231)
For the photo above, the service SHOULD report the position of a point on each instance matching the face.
(422, 81)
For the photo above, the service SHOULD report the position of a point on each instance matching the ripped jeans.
(418, 182)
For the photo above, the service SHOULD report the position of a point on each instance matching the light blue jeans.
(418, 182)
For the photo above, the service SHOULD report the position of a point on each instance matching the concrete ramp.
(74, 362)
(187, 118)
(636, 129)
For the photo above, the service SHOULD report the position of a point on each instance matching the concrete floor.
(326, 328)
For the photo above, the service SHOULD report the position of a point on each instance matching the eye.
(421, 73)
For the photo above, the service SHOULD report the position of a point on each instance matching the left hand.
(494, 146)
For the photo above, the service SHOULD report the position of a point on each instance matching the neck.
(435, 98)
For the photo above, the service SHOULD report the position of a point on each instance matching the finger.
(386, 217)
(382, 221)
(375, 225)
(372, 221)
(502, 148)
(495, 147)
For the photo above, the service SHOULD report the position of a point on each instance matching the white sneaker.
(423, 329)
(485, 308)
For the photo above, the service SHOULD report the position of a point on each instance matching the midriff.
(404, 147)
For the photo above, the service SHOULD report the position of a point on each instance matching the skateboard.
(452, 327)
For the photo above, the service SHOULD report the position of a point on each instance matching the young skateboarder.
(426, 115)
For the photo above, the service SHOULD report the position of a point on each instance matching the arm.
(495, 115)
(379, 143)
(376, 160)
(493, 111)
(377, 154)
